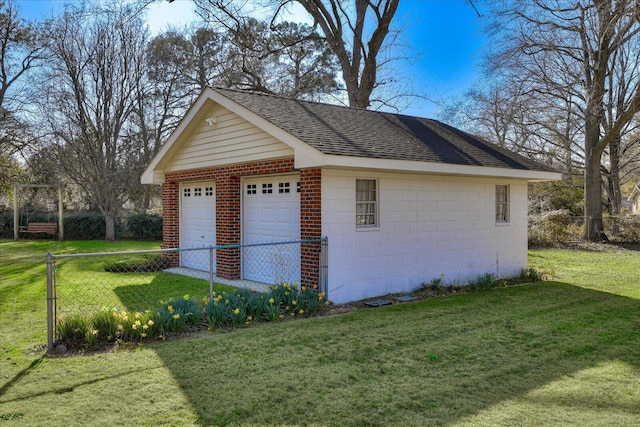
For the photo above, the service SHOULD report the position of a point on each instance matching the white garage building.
(401, 199)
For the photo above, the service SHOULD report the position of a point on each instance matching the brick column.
(228, 225)
(171, 220)
(310, 224)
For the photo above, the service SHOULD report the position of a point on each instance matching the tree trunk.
(110, 222)
(593, 226)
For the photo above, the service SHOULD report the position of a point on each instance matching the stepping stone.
(377, 303)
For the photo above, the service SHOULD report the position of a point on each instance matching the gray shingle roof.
(338, 130)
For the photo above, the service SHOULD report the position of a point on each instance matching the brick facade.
(228, 195)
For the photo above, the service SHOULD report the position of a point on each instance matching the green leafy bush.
(87, 225)
(139, 226)
(140, 265)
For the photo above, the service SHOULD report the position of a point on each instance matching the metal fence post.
(50, 303)
(324, 268)
(210, 273)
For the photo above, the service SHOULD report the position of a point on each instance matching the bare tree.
(356, 31)
(287, 59)
(568, 52)
(89, 95)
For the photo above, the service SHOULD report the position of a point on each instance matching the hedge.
(90, 225)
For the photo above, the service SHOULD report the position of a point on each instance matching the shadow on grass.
(162, 288)
(431, 362)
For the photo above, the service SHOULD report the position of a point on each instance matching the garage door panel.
(271, 213)
(197, 224)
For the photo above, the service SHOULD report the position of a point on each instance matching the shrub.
(141, 226)
(551, 228)
(141, 265)
(625, 228)
(87, 226)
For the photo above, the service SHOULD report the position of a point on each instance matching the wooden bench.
(48, 228)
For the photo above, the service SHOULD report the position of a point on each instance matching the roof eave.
(391, 165)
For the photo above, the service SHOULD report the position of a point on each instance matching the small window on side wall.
(366, 203)
(502, 204)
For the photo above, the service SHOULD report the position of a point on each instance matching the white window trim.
(506, 206)
(376, 213)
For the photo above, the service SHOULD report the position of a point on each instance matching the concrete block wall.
(428, 225)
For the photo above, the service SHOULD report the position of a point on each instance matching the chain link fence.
(137, 281)
(559, 227)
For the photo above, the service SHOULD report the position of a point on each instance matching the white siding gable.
(227, 139)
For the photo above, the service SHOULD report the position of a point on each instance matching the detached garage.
(401, 199)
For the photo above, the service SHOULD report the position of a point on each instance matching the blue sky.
(445, 39)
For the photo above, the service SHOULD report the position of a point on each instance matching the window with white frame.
(502, 204)
(366, 203)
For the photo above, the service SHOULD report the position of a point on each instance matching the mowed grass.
(565, 352)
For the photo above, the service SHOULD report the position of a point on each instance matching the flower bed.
(235, 309)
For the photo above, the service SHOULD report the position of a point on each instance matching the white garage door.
(271, 213)
(197, 224)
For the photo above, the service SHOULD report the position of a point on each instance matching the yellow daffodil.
(294, 302)
(271, 300)
(176, 316)
(150, 322)
(301, 311)
(145, 327)
(170, 309)
(143, 335)
(236, 311)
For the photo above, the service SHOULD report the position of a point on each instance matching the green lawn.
(565, 352)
